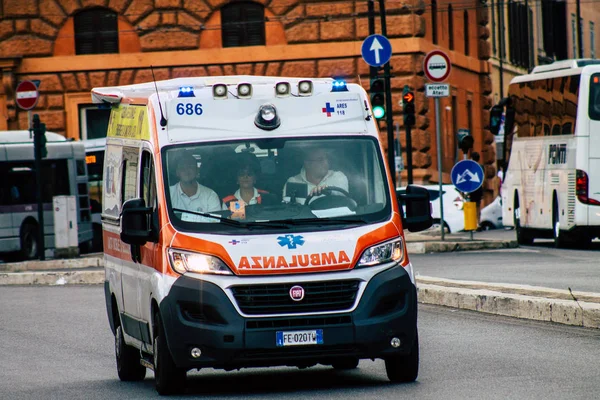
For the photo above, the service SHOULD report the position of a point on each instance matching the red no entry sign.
(26, 95)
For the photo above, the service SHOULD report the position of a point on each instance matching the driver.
(188, 194)
(315, 173)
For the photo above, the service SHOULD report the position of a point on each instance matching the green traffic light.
(378, 112)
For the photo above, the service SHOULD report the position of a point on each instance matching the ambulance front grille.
(275, 298)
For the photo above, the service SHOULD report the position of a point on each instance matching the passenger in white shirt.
(316, 174)
(188, 194)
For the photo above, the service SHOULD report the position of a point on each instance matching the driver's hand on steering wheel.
(317, 190)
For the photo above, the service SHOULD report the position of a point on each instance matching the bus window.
(595, 97)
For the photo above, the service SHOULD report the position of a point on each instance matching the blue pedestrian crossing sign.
(376, 50)
(467, 176)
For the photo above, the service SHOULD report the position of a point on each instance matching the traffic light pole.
(37, 150)
(389, 121)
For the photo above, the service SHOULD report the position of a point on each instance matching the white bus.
(63, 173)
(94, 158)
(551, 186)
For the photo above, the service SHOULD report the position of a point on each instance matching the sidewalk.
(520, 301)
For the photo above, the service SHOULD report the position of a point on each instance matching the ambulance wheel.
(29, 241)
(404, 368)
(167, 377)
(128, 359)
(345, 363)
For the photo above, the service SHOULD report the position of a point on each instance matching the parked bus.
(551, 186)
(63, 173)
(94, 158)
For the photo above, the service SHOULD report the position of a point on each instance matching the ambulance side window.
(111, 191)
(130, 171)
(147, 184)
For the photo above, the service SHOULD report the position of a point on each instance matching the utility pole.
(388, 101)
(39, 146)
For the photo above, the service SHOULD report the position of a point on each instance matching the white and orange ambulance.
(251, 221)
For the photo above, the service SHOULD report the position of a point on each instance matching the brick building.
(74, 45)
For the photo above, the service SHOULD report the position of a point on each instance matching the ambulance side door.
(150, 253)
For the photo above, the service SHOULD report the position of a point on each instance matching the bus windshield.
(595, 97)
(276, 183)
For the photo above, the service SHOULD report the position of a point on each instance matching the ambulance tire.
(345, 364)
(167, 377)
(404, 368)
(128, 359)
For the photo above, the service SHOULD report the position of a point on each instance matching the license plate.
(299, 338)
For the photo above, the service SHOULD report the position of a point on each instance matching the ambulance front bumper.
(199, 315)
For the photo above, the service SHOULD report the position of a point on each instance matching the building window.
(434, 10)
(243, 24)
(574, 35)
(470, 115)
(450, 28)
(466, 31)
(93, 121)
(554, 15)
(96, 31)
(519, 37)
(592, 41)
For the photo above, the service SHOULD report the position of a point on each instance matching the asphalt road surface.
(55, 343)
(538, 265)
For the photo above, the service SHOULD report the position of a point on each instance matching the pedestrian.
(477, 195)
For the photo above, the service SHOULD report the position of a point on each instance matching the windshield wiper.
(233, 222)
(322, 221)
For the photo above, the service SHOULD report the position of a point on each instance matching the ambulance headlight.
(305, 88)
(382, 253)
(186, 261)
(282, 89)
(267, 117)
(244, 90)
(220, 91)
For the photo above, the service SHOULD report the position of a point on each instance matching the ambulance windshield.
(276, 183)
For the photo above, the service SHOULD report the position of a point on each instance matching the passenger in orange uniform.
(247, 171)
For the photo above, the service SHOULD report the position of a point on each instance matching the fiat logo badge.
(297, 293)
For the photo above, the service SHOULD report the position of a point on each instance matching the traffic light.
(378, 97)
(408, 107)
(465, 141)
(496, 118)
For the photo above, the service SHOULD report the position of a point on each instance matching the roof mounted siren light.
(220, 91)
(186, 91)
(267, 118)
(244, 90)
(282, 89)
(305, 88)
(339, 85)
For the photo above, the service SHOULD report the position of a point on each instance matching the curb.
(53, 278)
(92, 260)
(449, 246)
(569, 312)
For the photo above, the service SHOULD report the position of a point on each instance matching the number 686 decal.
(189, 109)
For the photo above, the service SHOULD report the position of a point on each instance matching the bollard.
(470, 215)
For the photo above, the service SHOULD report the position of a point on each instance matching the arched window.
(96, 31)
(243, 24)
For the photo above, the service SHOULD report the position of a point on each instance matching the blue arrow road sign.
(376, 50)
(467, 176)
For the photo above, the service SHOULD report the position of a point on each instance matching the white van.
(251, 221)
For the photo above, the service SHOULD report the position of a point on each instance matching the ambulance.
(252, 222)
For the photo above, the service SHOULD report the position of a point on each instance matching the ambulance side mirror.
(135, 222)
(416, 203)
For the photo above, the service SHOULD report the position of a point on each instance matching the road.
(538, 265)
(56, 344)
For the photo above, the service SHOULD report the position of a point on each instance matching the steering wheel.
(328, 200)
